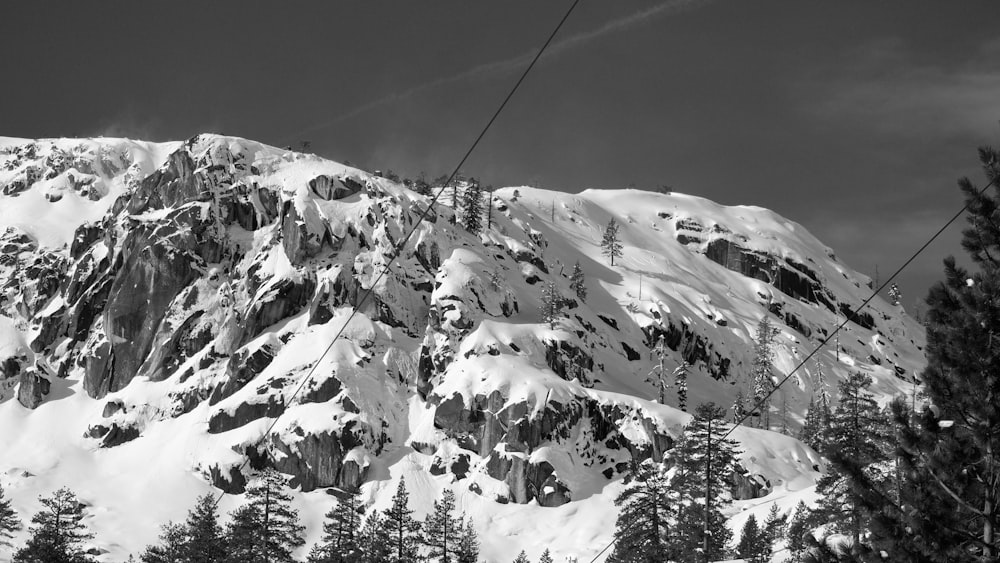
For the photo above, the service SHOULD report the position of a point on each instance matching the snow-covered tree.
(552, 304)
(577, 282)
(611, 245)
(739, 406)
(645, 513)
(472, 208)
(761, 376)
(680, 382)
(442, 530)
(57, 532)
(660, 353)
(9, 522)
(402, 531)
(546, 557)
(895, 296)
(522, 558)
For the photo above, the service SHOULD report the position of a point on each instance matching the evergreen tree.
(576, 282)
(402, 531)
(546, 557)
(468, 543)
(422, 187)
(204, 542)
(274, 524)
(9, 522)
(341, 531)
(57, 533)
(442, 529)
(243, 537)
(660, 351)
(472, 208)
(645, 511)
(704, 464)
(739, 406)
(371, 540)
(949, 454)
(812, 429)
(522, 558)
(774, 526)
(489, 189)
(761, 381)
(173, 541)
(798, 527)
(680, 382)
(552, 304)
(753, 543)
(688, 541)
(858, 432)
(611, 245)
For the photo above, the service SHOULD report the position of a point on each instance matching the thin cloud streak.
(515, 63)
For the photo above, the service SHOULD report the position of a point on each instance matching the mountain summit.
(162, 304)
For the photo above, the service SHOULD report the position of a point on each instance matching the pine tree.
(472, 208)
(9, 522)
(552, 304)
(278, 529)
(57, 533)
(371, 540)
(858, 432)
(173, 541)
(522, 558)
(243, 537)
(402, 531)
(812, 428)
(798, 527)
(204, 542)
(611, 245)
(645, 512)
(422, 187)
(704, 464)
(489, 189)
(739, 406)
(688, 541)
(949, 453)
(576, 282)
(468, 543)
(680, 382)
(441, 530)
(760, 370)
(341, 530)
(753, 543)
(546, 557)
(774, 526)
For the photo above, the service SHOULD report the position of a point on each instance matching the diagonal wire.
(760, 402)
(402, 244)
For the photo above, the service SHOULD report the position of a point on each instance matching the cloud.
(888, 91)
(514, 63)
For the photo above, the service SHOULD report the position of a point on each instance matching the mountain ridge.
(177, 292)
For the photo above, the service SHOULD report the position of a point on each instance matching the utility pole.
(708, 490)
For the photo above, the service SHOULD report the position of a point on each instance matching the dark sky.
(853, 118)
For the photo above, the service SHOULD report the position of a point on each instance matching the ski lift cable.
(762, 401)
(398, 248)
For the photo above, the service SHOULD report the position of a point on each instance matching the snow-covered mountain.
(162, 302)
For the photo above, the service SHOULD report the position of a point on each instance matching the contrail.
(513, 63)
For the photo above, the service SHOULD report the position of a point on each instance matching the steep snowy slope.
(161, 304)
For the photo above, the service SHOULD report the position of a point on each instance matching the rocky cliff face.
(204, 282)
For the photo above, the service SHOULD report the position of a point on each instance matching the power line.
(854, 313)
(402, 244)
